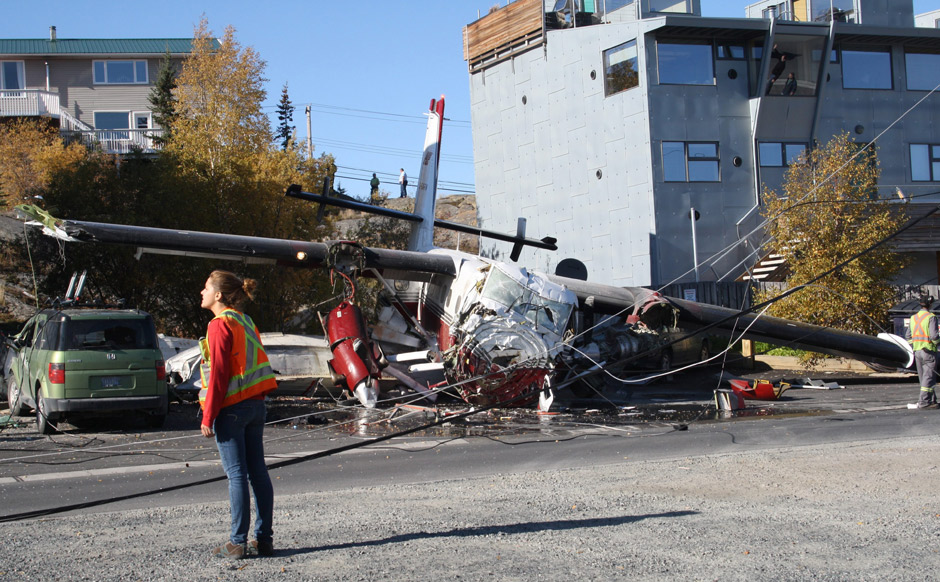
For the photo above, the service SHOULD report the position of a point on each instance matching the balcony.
(521, 25)
(116, 141)
(37, 103)
(28, 103)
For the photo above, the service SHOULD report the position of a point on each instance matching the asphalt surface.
(652, 483)
(133, 459)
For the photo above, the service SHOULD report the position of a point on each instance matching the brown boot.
(230, 551)
(261, 548)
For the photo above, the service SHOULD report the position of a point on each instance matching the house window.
(866, 69)
(774, 154)
(925, 162)
(112, 120)
(620, 68)
(12, 77)
(120, 72)
(685, 63)
(686, 161)
(142, 120)
(922, 71)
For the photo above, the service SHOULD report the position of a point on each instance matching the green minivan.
(83, 362)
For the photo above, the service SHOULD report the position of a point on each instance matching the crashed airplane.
(499, 333)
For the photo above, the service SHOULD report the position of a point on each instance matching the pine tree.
(285, 114)
(163, 100)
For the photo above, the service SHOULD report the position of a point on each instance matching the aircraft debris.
(727, 399)
(759, 389)
(815, 384)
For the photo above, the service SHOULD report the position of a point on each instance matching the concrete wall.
(548, 146)
(588, 170)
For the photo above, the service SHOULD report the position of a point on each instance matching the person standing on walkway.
(236, 375)
(403, 180)
(374, 193)
(923, 335)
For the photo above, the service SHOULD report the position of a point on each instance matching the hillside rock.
(459, 208)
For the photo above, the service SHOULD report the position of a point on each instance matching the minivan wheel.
(43, 423)
(14, 398)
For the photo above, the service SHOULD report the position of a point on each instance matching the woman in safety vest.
(235, 377)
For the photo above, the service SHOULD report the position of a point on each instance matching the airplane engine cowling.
(355, 361)
(499, 361)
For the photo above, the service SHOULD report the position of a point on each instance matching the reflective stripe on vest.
(252, 374)
(920, 331)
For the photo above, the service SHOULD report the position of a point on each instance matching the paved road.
(651, 422)
(823, 485)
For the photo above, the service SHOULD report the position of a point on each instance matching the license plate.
(110, 381)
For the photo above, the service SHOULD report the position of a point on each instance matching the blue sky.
(368, 68)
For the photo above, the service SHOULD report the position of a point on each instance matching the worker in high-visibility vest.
(235, 376)
(924, 336)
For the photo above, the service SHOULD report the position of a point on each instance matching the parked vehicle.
(84, 362)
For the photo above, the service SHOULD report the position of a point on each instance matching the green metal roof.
(95, 46)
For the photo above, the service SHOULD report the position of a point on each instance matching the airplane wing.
(248, 249)
(701, 316)
(413, 265)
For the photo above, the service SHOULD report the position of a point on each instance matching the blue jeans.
(238, 431)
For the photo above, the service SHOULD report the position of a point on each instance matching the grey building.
(95, 90)
(605, 123)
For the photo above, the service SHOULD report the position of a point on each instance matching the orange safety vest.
(252, 374)
(920, 331)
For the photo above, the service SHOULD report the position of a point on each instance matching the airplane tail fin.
(422, 234)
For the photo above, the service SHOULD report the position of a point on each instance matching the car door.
(19, 368)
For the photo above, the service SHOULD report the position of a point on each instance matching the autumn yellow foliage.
(828, 211)
(31, 154)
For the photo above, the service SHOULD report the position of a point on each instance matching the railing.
(69, 123)
(28, 103)
(117, 141)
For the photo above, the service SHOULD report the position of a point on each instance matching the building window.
(828, 10)
(620, 68)
(868, 69)
(685, 161)
(685, 63)
(922, 71)
(142, 120)
(729, 52)
(120, 72)
(112, 120)
(925, 162)
(12, 75)
(774, 154)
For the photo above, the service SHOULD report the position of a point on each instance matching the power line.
(440, 187)
(368, 114)
(394, 175)
(384, 150)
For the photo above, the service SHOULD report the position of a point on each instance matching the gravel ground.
(865, 511)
